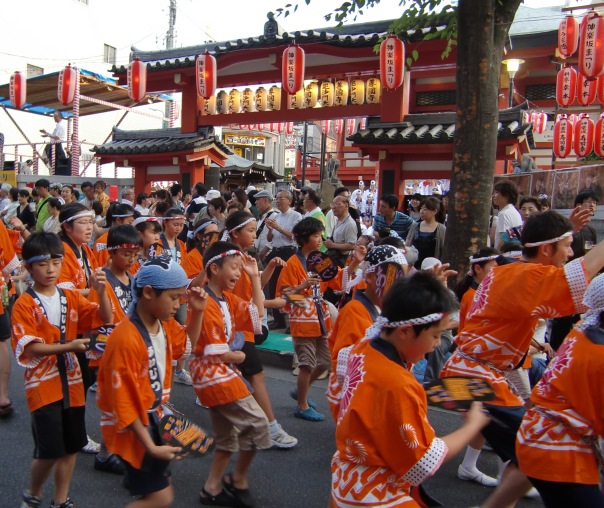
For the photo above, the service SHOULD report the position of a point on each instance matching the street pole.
(169, 45)
(304, 138)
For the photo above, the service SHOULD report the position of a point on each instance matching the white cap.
(430, 263)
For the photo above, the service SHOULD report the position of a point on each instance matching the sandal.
(309, 414)
(223, 498)
(294, 395)
(243, 496)
(6, 410)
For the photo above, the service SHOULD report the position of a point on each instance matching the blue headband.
(41, 257)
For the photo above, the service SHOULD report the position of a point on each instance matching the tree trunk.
(482, 29)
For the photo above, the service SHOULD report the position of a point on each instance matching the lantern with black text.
(205, 75)
(296, 101)
(566, 86)
(17, 90)
(327, 94)
(573, 118)
(338, 125)
(274, 98)
(586, 90)
(341, 93)
(599, 136)
(67, 85)
(583, 135)
(292, 75)
(373, 91)
(350, 127)
(210, 105)
(563, 137)
(247, 101)
(234, 104)
(568, 36)
(357, 92)
(539, 121)
(591, 46)
(325, 126)
(261, 99)
(137, 80)
(392, 62)
(222, 102)
(311, 94)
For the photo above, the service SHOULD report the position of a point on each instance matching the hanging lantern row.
(280, 127)
(539, 121)
(580, 135)
(586, 38)
(572, 86)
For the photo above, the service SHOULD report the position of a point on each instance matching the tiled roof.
(432, 128)
(158, 141)
(237, 167)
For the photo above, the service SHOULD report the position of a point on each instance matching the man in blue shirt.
(388, 217)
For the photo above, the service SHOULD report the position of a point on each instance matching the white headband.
(473, 261)
(169, 218)
(226, 236)
(122, 216)
(232, 252)
(382, 322)
(145, 219)
(553, 240)
(79, 216)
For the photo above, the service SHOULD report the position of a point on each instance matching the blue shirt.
(401, 223)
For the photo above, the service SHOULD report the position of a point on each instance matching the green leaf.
(415, 55)
(409, 62)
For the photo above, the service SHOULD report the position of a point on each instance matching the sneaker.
(309, 414)
(323, 374)
(29, 501)
(533, 494)
(93, 387)
(183, 377)
(112, 464)
(283, 440)
(91, 446)
(476, 476)
(66, 504)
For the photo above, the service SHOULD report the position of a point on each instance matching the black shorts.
(564, 494)
(251, 365)
(4, 326)
(58, 432)
(153, 475)
(501, 432)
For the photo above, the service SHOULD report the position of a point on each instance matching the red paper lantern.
(583, 135)
(392, 62)
(292, 72)
(275, 127)
(363, 124)
(591, 49)
(350, 126)
(205, 75)
(67, 85)
(325, 126)
(261, 127)
(568, 36)
(137, 80)
(600, 89)
(563, 137)
(566, 86)
(289, 127)
(17, 90)
(338, 125)
(573, 119)
(599, 136)
(539, 121)
(586, 90)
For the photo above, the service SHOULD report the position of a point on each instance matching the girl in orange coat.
(199, 240)
(116, 214)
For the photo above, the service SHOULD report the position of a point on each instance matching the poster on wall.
(543, 184)
(592, 179)
(566, 185)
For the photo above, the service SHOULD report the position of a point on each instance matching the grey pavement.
(280, 478)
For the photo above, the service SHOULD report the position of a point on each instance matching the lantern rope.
(124, 108)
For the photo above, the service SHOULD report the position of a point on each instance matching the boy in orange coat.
(47, 321)
(135, 377)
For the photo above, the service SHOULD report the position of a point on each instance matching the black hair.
(123, 233)
(531, 199)
(13, 193)
(97, 207)
(543, 226)
(166, 196)
(234, 206)
(141, 227)
(216, 249)
(34, 193)
(55, 203)
(236, 219)
(68, 186)
(313, 195)
(419, 295)
(399, 243)
(175, 189)
(161, 207)
(340, 190)
(545, 203)
(76, 193)
(241, 196)
(41, 243)
(102, 183)
(86, 184)
(192, 242)
(391, 200)
(24, 193)
(201, 189)
(508, 190)
(116, 208)
(305, 228)
(382, 232)
(218, 202)
(173, 212)
(68, 211)
(436, 205)
(42, 182)
(585, 195)
(251, 195)
(466, 282)
(141, 197)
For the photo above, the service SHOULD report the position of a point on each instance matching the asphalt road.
(280, 478)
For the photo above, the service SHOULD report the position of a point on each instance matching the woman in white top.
(52, 224)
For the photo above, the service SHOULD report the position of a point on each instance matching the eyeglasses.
(128, 254)
(84, 222)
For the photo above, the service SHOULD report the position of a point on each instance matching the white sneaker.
(283, 440)
(183, 377)
(533, 493)
(91, 446)
(93, 387)
(476, 476)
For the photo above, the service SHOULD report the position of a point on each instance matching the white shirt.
(286, 221)
(141, 209)
(159, 346)
(261, 240)
(52, 307)
(59, 131)
(127, 202)
(330, 222)
(508, 218)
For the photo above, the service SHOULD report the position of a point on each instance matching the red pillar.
(140, 179)
(192, 105)
(395, 103)
(389, 169)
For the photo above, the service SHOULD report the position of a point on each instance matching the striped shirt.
(400, 224)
